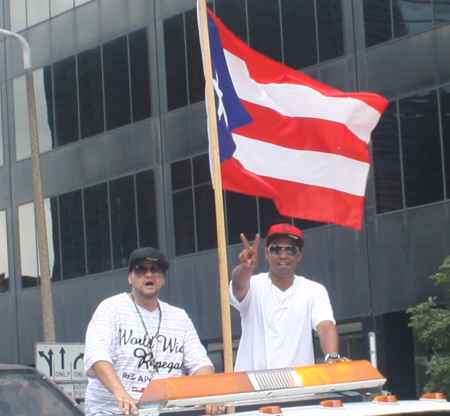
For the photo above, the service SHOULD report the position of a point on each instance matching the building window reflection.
(298, 33)
(97, 90)
(92, 230)
(4, 264)
(26, 13)
(411, 147)
(194, 210)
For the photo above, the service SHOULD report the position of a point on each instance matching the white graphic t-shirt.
(117, 334)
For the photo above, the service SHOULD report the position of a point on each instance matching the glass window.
(146, 209)
(52, 218)
(445, 116)
(387, 163)
(175, 53)
(18, 15)
(412, 16)
(377, 21)
(80, 2)
(241, 215)
(28, 246)
(183, 207)
(66, 101)
(60, 6)
(194, 59)
(329, 27)
(441, 12)
(4, 264)
(98, 238)
(268, 215)
(37, 11)
(21, 115)
(264, 27)
(117, 83)
(123, 220)
(234, 16)
(205, 218)
(2, 160)
(140, 75)
(72, 235)
(421, 151)
(299, 33)
(90, 87)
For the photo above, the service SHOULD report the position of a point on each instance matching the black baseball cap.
(147, 254)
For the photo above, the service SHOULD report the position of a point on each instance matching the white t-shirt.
(117, 334)
(277, 326)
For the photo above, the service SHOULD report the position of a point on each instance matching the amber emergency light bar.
(252, 387)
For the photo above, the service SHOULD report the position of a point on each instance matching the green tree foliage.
(433, 325)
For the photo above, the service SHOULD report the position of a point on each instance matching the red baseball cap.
(288, 230)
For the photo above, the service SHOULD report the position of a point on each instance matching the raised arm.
(240, 276)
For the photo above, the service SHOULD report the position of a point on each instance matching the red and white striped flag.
(287, 137)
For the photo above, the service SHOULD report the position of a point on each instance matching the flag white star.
(220, 107)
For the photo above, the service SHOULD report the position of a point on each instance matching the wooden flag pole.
(218, 194)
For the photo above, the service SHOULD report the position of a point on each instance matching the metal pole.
(44, 262)
(373, 348)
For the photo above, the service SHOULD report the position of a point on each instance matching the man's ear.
(129, 278)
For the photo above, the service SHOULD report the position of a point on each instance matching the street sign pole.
(44, 262)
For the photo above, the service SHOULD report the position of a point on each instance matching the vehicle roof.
(407, 407)
(14, 367)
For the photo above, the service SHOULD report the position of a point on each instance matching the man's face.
(146, 279)
(282, 261)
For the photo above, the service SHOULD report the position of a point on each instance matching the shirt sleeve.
(195, 355)
(99, 343)
(321, 307)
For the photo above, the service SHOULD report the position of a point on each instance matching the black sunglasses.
(276, 250)
(155, 270)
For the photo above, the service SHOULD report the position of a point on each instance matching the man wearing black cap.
(279, 310)
(135, 337)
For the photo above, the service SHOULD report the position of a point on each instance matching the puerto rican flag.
(287, 137)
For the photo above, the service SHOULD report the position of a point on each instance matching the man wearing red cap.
(279, 310)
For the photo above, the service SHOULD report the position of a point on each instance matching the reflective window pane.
(202, 173)
(421, 151)
(377, 21)
(387, 163)
(174, 50)
(329, 27)
(181, 174)
(98, 238)
(140, 75)
(90, 87)
(412, 16)
(117, 83)
(205, 217)
(183, 218)
(123, 220)
(445, 116)
(241, 215)
(2, 160)
(52, 219)
(299, 33)
(441, 12)
(60, 6)
(194, 59)
(28, 246)
(72, 235)
(18, 15)
(234, 16)
(268, 215)
(4, 264)
(65, 101)
(37, 11)
(146, 209)
(21, 124)
(264, 27)
(42, 110)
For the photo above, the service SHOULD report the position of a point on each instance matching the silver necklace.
(153, 367)
(287, 304)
